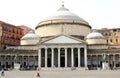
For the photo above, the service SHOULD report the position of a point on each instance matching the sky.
(98, 13)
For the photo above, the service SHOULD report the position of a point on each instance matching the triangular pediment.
(63, 39)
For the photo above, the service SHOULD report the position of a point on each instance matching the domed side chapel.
(64, 40)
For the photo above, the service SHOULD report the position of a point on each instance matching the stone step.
(61, 69)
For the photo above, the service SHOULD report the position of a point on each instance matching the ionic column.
(5, 61)
(119, 58)
(39, 58)
(65, 57)
(114, 61)
(35, 61)
(78, 57)
(72, 58)
(28, 60)
(23, 60)
(52, 56)
(98, 60)
(58, 57)
(85, 56)
(45, 57)
(108, 58)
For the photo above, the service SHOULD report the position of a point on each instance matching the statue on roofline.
(16, 58)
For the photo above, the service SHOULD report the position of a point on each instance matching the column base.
(16, 66)
(105, 66)
(39, 68)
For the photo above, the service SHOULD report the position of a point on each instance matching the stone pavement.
(64, 74)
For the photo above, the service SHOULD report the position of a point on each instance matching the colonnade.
(96, 60)
(62, 57)
(7, 62)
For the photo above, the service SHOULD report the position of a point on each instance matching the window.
(116, 40)
(110, 40)
(107, 41)
(114, 30)
(21, 32)
(11, 29)
(105, 34)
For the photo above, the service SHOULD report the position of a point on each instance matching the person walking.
(2, 72)
(38, 75)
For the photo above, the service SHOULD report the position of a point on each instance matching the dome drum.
(68, 29)
(29, 42)
(96, 41)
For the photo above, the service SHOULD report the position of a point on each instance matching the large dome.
(63, 14)
(63, 22)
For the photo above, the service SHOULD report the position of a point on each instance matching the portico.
(62, 55)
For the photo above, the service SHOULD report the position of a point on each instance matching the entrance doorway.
(7, 65)
(76, 62)
(48, 62)
(62, 61)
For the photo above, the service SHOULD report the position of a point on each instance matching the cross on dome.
(62, 3)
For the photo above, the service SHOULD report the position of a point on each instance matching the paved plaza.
(63, 74)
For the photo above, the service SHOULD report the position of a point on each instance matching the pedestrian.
(2, 72)
(38, 74)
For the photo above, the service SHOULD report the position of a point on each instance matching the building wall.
(25, 29)
(29, 42)
(112, 36)
(10, 34)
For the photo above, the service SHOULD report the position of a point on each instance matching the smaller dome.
(94, 35)
(30, 35)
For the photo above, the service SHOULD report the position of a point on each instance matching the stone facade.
(63, 41)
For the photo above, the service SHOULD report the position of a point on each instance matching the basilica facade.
(64, 40)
